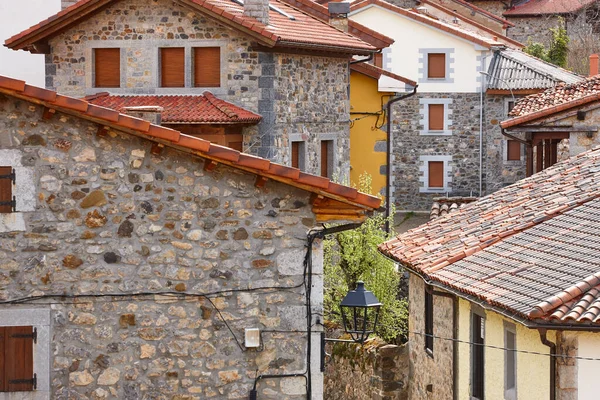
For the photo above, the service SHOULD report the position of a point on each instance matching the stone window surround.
(303, 156)
(39, 318)
(424, 111)
(24, 191)
(332, 153)
(505, 154)
(509, 394)
(424, 65)
(424, 178)
(155, 88)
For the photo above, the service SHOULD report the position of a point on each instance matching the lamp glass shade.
(360, 312)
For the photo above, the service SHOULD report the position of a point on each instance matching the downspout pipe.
(543, 337)
(388, 150)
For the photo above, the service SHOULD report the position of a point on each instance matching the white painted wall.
(410, 36)
(16, 16)
(588, 370)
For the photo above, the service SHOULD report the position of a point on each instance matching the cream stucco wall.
(531, 368)
(410, 36)
(588, 370)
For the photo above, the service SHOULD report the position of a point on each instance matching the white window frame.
(424, 111)
(424, 178)
(505, 153)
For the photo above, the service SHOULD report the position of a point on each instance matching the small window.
(326, 158)
(509, 106)
(436, 65)
(298, 149)
(207, 67)
(107, 68)
(378, 60)
(7, 200)
(428, 320)
(16, 359)
(513, 150)
(172, 67)
(436, 117)
(510, 363)
(436, 174)
(477, 354)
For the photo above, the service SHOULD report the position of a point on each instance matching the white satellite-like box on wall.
(252, 337)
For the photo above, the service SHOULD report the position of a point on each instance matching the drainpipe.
(552, 347)
(388, 150)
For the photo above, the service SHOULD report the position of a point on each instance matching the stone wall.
(566, 368)
(109, 217)
(374, 371)
(408, 146)
(430, 375)
(536, 28)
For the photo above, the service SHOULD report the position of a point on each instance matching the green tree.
(352, 256)
(559, 46)
(536, 49)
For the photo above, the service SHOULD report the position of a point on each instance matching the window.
(378, 60)
(207, 66)
(298, 149)
(510, 362)
(436, 65)
(436, 117)
(107, 68)
(326, 158)
(436, 174)
(172, 67)
(510, 104)
(513, 150)
(16, 359)
(7, 200)
(428, 320)
(477, 355)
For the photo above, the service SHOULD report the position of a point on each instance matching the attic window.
(436, 63)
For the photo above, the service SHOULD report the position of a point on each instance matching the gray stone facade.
(295, 94)
(110, 217)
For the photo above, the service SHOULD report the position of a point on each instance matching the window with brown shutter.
(172, 67)
(107, 68)
(207, 66)
(7, 200)
(295, 154)
(436, 174)
(436, 117)
(326, 162)
(378, 60)
(513, 150)
(436, 65)
(16, 359)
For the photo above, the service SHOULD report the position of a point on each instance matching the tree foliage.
(352, 256)
(559, 46)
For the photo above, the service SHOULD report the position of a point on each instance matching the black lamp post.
(360, 312)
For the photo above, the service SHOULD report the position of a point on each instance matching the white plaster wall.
(410, 36)
(588, 370)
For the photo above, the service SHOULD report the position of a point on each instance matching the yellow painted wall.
(364, 97)
(533, 371)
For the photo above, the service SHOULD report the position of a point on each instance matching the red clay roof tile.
(545, 7)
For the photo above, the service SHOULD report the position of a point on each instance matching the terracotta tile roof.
(449, 28)
(530, 248)
(559, 98)
(360, 202)
(299, 31)
(482, 11)
(205, 109)
(376, 72)
(544, 7)
(447, 205)
(354, 28)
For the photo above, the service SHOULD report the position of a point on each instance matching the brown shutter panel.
(325, 158)
(378, 60)
(436, 117)
(207, 66)
(5, 189)
(2, 362)
(107, 68)
(18, 349)
(295, 154)
(436, 65)
(172, 67)
(436, 174)
(513, 151)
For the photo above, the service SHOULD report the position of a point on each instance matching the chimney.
(257, 9)
(67, 3)
(338, 15)
(594, 65)
(153, 114)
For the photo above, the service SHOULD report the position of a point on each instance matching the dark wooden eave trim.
(301, 51)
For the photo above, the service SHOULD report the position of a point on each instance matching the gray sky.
(16, 16)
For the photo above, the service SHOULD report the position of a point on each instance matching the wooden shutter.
(207, 67)
(477, 351)
(436, 174)
(172, 67)
(3, 387)
(378, 60)
(429, 320)
(296, 154)
(436, 65)
(325, 157)
(6, 184)
(107, 68)
(513, 150)
(436, 117)
(18, 359)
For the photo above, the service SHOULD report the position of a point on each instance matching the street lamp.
(360, 312)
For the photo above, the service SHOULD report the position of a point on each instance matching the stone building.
(134, 257)
(270, 59)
